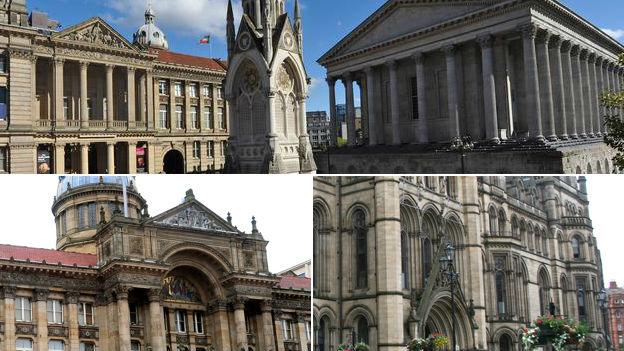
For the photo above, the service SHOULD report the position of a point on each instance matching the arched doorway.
(173, 162)
(439, 319)
(505, 343)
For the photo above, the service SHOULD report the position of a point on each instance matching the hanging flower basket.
(360, 346)
(431, 343)
(557, 331)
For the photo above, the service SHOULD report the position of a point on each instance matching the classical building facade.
(86, 100)
(122, 280)
(318, 129)
(524, 248)
(267, 87)
(615, 315)
(517, 76)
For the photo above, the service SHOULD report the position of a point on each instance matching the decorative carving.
(136, 246)
(239, 302)
(251, 81)
(41, 294)
(154, 295)
(249, 259)
(178, 288)
(285, 82)
(192, 217)
(89, 332)
(244, 41)
(218, 305)
(136, 331)
(122, 291)
(182, 339)
(485, 41)
(529, 31)
(25, 329)
(72, 297)
(96, 34)
(57, 331)
(8, 292)
(288, 41)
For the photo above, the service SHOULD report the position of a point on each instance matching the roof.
(294, 282)
(37, 255)
(165, 56)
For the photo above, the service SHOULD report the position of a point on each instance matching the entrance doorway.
(173, 162)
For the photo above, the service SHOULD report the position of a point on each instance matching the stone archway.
(173, 162)
(439, 319)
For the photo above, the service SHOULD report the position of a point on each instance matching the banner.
(43, 162)
(141, 160)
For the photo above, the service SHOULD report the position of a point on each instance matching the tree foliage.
(614, 101)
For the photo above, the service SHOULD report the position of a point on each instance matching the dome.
(66, 183)
(149, 35)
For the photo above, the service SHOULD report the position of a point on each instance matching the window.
(135, 317)
(65, 107)
(198, 321)
(501, 293)
(493, 221)
(3, 160)
(426, 259)
(87, 346)
(619, 327)
(194, 119)
(166, 318)
(135, 346)
(85, 313)
(163, 118)
(180, 117)
(180, 320)
(23, 309)
(178, 89)
(362, 330)
(580, 299)
(414, 89)
(287, 329)
(208, 117)
(210, 149)
(82, 222)
(404, 260)
(220, 93)
(56, 345)
(162, 88)
(223, 147)
(308, 330)
(3, 64)
(221, 118)
(3, 104)
(207, 90)
(193, 90)
(361, 248)
(196, 149)
(23, 345)
(92, 216)
(55, 312)
(576, 248)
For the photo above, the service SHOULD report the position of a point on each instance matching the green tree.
(614, 101)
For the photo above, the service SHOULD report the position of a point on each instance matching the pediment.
(399, 18)
(286, 39)
(95, 32)
(247, 38)
(193, 216)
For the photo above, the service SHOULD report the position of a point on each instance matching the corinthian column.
(59, 111)
(239, 320)
(72, 307)
(123, 310)
(532, 92)
(489, 89)
(84, 106)
(9, 322)
(348, 83)
(394, 103)
(589, 90)
(546, 96)
(597, 75)
(421, 87)
(131, 97)
(84, 158)
(331, 83)
(157, 332)
(267, 324)
(110, 114)
(370, 106)
(451, 78)
(558, 88)
(578, 91)
(41, 297)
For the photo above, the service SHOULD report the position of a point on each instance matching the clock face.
(244, 41)
(288, 41)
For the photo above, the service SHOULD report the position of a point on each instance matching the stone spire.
(231, 34)
(268, 35)
(298, 27)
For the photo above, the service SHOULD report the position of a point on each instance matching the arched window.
(580, 299)
(502, 222)
(544, 292)
(504, 343)
(515, 231)
(404, 260)
(538, 241)
(315, 248)
(493, 221)
(531, 237)
(501, 294)
(426, 259)
(576, 248)
(361, 249)
(321, 335)
(564, 296)
(544, 243)
(562, 255)
(362, 330)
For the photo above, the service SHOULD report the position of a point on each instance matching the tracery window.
(404, 260)
(493, 221)
(362, 330)
(426, 259)
(361, 249)
(544, 293)
(501, 287)
(502, 221)
(514, 227)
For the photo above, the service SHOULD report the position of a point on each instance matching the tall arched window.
(538, 241)
(404, 260)
(502, 222)
(562, 255)
(576, 248)
(564, 296)
(501, 294)
(361, 249)
(515, 231)
(426, 259)
(544, 292)
(362, 330)
(493, 221)
(504, 343)
(580, 299)
(544, 243)
(321, 335)
(315, 248)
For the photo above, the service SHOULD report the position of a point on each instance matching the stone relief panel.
(249, 258)
(194, 218)
(136, 246)
(96, 34)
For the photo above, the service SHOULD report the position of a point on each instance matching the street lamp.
(602, 302)
(462, 145)
(450, 276)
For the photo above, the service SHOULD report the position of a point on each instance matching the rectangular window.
(135, 318)
(3, 64)
(194, 119)
(308, 330)
(82, 209)
(178, 89)
(85, 313)
(208, 117)
(193, 90)
(180, 117)
(210, 148)
(166, 318)
(92, 215)
(198, 320)
(55, 312)
(223, 147)
(23, 309)
(3, 160)
(180, 320)
(66, 107)
(135, 346)
(580, 299)
(207, 90)
(220, 93)
(56, 345)
(221, 117)
(196, 149)
(162, 88)
(287, 329)
(87, 346)
(3, 104)
(23, 344)
(163, 118)
(414, 86)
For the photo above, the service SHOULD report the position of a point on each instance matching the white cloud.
(315, 82)
(186, 17)
(615, 33)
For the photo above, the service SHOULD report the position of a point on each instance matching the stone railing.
(97, 124)
(291, 345)
(119, 124)
(576, 221)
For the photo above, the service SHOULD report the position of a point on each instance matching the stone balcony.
(576, 222)
(46, 125)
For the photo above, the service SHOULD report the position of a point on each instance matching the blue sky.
(325, 22)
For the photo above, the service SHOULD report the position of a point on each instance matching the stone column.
(110, 114)
(33, 83)
(558, 88)
(604, 88)
(221, 326)
(350, 118)
(589, 91)
(546, 95)
(9, 320)
(72, 318)
(489, 89)
(110, 157)
(331, 82)
(363, 84)
(59, 158)
(370, 106)
(389, 297)
(157, 327)
(187, 106)
(532, 92)
(267, 325)
(278, 330)
(596, 73)
(131, 97)
(132, 157)
(84, 106)
(84, 158)
(578, 91)
(239, 320)
(394, 103)
(451, 78)
(421, 87)
(58, 91)
(152, 99)
(40, 318)
(569, 88)
(303, 336)
(142, 99)
(123, 311)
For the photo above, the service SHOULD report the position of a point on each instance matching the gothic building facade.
(267, 87)
(86, 100)
(522, 78)
(524, 248)
(122, 280)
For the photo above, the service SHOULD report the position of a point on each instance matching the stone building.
(122, 280)
(318, 129)
(522, 78)
(86, 100)
(615, 315)
(522, 244)
(267, 87)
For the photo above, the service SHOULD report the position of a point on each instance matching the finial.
(229, 218)
(254, 229)
(189, 196)
(297, 12)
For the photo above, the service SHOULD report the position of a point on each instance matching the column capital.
(556, 41)
(239, 302)
(599, 60)
(331, 81)
(71, 297)
(419, 57)
(392, 64)
(41, 294)
(566, 45)
(103, 299)
(122, 292)
(8, 291)
(368, 70)
(84, 64)
(33, 58)
(154, 295)
(529, 31)
(544, 36)
(347, 77)
(583, 53)
(266, 305)
(485, 41)
(109, 66)
(218, 305)
(591, 57)
(449, 50)
(301, 317)
(59, 60)
(131, 69)
(605, 62)
(575, 50)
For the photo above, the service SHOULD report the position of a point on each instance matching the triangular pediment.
(247, 37)
(192, 215)
(397, 18)
(97, 32)
(285, 39)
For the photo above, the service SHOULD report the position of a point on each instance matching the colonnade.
(559, 90)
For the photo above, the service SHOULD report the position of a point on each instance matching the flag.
(205, 40)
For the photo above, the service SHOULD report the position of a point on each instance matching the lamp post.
(602, 302)
(450, 276)
(462, 145)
